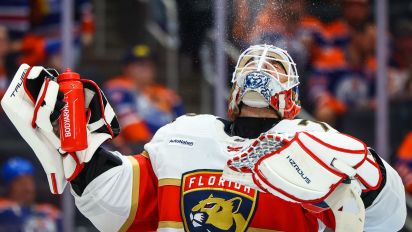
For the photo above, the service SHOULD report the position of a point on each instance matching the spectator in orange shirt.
(404, 162)
(142, 105)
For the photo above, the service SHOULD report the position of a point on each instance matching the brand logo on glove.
(210, 203)
(298, 170)
(13, 94)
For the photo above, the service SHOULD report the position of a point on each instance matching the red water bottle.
(73, 135)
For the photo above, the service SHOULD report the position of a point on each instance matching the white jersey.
(178, 179)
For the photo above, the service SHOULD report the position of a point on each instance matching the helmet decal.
(258, 82)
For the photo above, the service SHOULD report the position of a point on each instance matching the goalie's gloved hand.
(102, 125)
(304, 167)
(310, 168)
(33, 104)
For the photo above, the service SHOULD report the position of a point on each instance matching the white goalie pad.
(20, 109)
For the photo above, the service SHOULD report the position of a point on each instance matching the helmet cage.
(261, 58)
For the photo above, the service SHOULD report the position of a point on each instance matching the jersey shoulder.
(201, 125)
(299, 125)
(186, 143)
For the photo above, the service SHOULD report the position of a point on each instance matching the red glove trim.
(39, 103)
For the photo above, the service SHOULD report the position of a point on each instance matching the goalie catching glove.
(317, 169)
(33, 103)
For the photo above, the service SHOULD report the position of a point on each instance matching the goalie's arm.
(385, 207)
(109, 189)
(116, 192)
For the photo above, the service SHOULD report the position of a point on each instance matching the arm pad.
(101, 161)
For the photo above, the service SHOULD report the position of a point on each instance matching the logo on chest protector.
(181, 142)
(208, 203)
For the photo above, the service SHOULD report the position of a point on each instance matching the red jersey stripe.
(135, 194)
(146, 217)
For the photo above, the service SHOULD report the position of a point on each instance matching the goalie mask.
(265, 76)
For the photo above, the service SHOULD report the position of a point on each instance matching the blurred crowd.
(332, 42)
(18, 208)
(30, 32)
(142, 105)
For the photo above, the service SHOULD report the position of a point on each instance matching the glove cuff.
(72, 166)
(73, 162)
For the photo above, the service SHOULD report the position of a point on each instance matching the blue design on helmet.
(261, 83)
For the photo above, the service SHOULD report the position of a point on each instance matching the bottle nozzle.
(68, 75)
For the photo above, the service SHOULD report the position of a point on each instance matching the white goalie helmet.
(265, 76)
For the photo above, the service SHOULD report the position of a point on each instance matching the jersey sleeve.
(387, 212)
(122, 198)
(385, 206)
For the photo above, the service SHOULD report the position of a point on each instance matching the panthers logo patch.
(208, 203)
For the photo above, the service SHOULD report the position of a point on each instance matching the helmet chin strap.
(254, 99)
(256, 104)
(282, 104)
